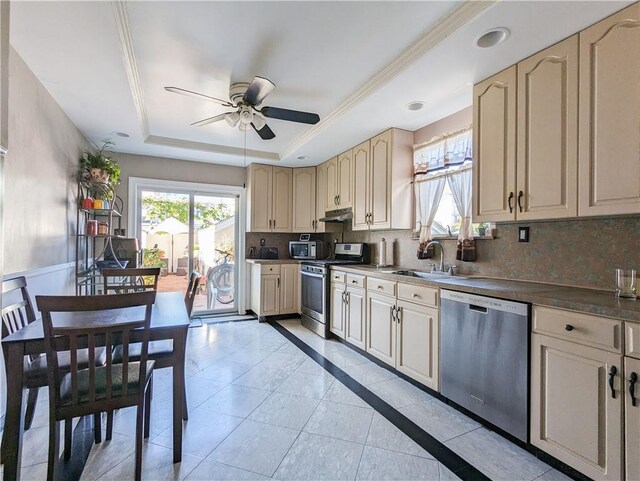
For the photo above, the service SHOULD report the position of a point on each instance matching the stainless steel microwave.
(306, 250)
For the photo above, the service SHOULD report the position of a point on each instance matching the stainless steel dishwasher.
(484, 358)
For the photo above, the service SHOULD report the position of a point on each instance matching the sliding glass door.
(188, 231)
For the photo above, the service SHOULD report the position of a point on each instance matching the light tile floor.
(260, 408)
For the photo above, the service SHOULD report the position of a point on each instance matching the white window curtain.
(441, 153)
(428, 195)
(460, 183)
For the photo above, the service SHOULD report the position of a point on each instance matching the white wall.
(39, 211)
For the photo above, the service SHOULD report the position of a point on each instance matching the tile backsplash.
(576, 252)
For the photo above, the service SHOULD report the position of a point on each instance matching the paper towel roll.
(382, 252)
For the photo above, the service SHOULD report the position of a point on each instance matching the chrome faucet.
(434, 244)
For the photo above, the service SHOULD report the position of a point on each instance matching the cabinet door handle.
(568, 327)
(343, 297)
(274, 223)
(348, 297)
(520, 194)
(399, 315)
(338, 199)
(393, 313)
(612, 377)
(510, 202)
(632, 388)
(278, 283)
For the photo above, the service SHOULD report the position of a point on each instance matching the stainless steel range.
(315, 284)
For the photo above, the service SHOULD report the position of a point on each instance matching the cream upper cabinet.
(269, 198)
(494, 147)
(576, 416)
(632, 418)
(547, 153)
(344, 188)
(289, 286)
(381, 327)
(609, 126)
(282, 199)
(360, 159)
(321, 188)
(331, 191)
(383, 180)
(259, 199)
(355, 316)
(380, 181)
(417, 343)
(304, 199)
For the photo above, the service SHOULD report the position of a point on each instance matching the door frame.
(134, 213)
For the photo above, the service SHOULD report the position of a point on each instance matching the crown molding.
(130, 64)
(445, 27)
(213, 148)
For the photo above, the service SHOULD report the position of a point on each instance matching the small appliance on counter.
(315, 284)
(268, 252)
(306, 249)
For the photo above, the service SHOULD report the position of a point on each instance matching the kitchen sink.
(427, 275)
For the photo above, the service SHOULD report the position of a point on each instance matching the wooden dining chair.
(124, 281)
(192, 291)
(72, 323)
(15, 316)
(162, 351)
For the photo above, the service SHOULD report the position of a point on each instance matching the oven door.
(313, 295)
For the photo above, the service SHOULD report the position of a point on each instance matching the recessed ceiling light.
(123, 134)
(493, 37)
(302, 157)
(415, 105)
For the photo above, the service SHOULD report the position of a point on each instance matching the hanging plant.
(100, 166)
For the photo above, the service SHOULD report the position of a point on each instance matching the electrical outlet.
(263, 242)
(523, 234)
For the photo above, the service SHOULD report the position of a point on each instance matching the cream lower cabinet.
(576, 416)
(632, 418)
(274, 289)
(355, 319)
(417, 342)
(337, 309)
(381, 327)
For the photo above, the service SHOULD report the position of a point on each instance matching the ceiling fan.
(245, 99)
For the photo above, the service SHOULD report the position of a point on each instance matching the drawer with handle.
(355, 280)
(338, 276)
(381, 286)
(270, 269)
(418, 294)
(600, 332)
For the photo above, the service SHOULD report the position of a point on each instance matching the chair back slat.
(20, 313)
(123, 281)
(94, 384)
(192, 291)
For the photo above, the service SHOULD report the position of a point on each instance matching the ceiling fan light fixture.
(232, 118)
(259, 121)
(244, 127)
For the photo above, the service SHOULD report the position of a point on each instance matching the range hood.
(339, 215)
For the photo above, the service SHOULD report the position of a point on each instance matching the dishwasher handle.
(480, 309)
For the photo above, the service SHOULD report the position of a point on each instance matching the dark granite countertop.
(592, 301)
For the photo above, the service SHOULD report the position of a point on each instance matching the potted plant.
(100, 166)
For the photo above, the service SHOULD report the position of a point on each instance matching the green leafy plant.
(101, 159)
(157, 210)
(153, 258)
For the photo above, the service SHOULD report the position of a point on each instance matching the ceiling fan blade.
(265, 132)
(210, 120)
(258, 89)
(290, 115)
(189, 93)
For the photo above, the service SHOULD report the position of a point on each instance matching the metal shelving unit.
(91, 249)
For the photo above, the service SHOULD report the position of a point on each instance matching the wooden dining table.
(169, 321)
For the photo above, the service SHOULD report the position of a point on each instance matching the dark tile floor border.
(455, 463)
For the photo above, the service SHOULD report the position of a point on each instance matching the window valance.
(443, 152)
